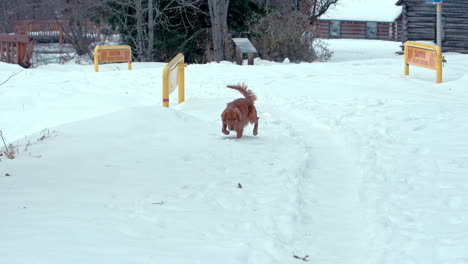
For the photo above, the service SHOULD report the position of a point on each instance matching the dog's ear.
(223, 115)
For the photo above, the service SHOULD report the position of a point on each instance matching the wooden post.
(96, 58)
(9, 52)
(61, 38)
(239, 57)
(250, 57)
(2, 56)
(19, 53)
(439, 61)
(439, 25)
(165, 87)
(12, 52)
(406, 61)
(181, 82)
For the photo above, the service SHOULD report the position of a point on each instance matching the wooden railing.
(44, 29)
(16, 49)
(51, 29)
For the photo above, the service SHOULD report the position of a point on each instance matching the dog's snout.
(231, 128)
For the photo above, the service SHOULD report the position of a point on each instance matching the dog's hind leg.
(253, 118)
(255, 130)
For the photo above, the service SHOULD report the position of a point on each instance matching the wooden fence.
(51, 30)
(16, 49)
(45, 29)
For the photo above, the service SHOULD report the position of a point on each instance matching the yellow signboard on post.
(424, 55)
(110, 54)
(174, 77)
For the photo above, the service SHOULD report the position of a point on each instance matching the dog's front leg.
(240, 132)
(224, 130)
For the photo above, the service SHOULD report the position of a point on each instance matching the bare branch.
(11, 76)
(139, 20)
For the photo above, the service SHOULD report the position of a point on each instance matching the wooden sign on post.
(424, 55)
(110, 54)
(173, 77)
(243, 46)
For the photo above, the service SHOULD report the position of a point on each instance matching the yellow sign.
(424, 55)
(109, 54)
(174, 77)
(114, 56)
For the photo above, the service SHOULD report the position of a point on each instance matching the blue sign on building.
(434, 1)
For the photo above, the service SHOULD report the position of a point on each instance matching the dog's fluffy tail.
(242, 88)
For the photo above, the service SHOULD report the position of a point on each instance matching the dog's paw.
(226, 132)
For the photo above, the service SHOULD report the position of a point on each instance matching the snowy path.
(313, 167)
(331, 217)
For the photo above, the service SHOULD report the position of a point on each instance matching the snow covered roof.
(364, 10)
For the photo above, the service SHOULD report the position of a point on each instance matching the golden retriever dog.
(240, 112)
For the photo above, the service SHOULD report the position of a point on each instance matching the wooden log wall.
(357, 30)
(353, 29)
(419, 23)
(16, 49)
(398, 27)
(384, 31)
(324, 28)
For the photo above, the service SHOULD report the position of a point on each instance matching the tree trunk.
(139, 27)
(218, 15)
(149, 52)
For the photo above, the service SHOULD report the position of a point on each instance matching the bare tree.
(75, 17)
(219, 28)
(5, 14)
(315, 8)
(312, 8)
(139, 27)
(149, 52)
(11, 11)
(139, 20)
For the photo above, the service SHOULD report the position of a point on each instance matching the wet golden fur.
(240, 112)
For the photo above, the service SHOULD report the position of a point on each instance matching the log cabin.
(364, 19)
(419, 23)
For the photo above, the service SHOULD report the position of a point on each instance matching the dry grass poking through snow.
(10, 151)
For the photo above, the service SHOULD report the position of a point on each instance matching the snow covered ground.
(354, 163)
